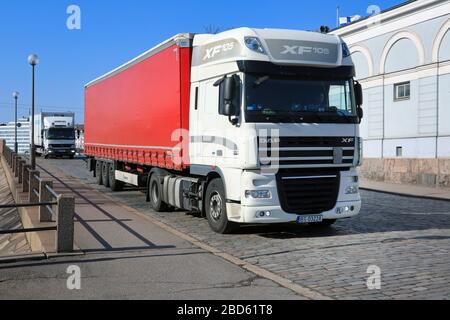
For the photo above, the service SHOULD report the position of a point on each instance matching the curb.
(407, 195)
(23, 257)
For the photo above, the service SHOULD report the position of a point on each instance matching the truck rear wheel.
(98, 172)
(105, 174)
(155, 191)
(216, 208)
(114, 184)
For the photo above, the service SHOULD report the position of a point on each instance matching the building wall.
(7, 133)
(408, 44)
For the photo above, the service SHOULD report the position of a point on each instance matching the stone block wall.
(426, 172)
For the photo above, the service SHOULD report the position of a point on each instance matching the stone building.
(402, 58)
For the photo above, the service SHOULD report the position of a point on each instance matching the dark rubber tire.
(105, 174)
(98, 172)
(216, 208)
(114, 185)
(155, 190)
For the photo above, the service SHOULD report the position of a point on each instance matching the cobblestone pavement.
(407, 238)
(9, 219)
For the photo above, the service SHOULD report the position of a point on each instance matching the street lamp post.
(33, 60)
(16, 145)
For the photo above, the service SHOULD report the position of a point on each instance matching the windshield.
(61, 134)
(283, 99)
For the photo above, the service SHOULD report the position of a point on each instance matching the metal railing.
(53, 207)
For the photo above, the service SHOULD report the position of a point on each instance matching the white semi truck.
(249, 126)
(54, 134)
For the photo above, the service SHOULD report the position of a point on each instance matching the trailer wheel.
(155, 191)
(114, 184)
(98, 172)
(105, 174)
(216, 208)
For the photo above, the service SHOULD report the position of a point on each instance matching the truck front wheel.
(216, 208)
(155, 192)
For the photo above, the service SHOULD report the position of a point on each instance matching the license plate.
(310, 219)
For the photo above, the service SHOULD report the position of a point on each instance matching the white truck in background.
(54, 134)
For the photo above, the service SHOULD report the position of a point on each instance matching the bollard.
(45, 215)
(20, 171)
(33, 185)
(16, 166)
(13, 162)
(3, 147)
(65, 213)
(25, 177)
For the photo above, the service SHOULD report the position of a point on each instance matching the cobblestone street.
(407, 238)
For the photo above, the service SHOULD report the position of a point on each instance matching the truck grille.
(308, 152)
(308, 193)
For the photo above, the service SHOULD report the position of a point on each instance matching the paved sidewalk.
(9, 219)
(406, 189)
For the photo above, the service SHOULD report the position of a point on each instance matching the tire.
(216, 208)
(115, 185)
(98, 172)
(105, 174)
(155, 192)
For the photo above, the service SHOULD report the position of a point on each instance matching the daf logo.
(214, 51)
(348, 140)
(269, 140)
(300, 50)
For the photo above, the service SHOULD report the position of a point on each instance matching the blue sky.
(112, 32)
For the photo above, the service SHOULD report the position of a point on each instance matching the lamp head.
(33, 59)
(16, 94)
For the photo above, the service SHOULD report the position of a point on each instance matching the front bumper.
(250, 210)
(251, 214)
(61, 152)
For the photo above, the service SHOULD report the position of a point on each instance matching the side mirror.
(227, 103)
(360, 112)
(229, 85)
(359, 94)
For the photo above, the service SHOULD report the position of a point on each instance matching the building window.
(399, 152)
(402, 91)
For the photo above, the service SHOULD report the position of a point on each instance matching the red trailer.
(132, 112)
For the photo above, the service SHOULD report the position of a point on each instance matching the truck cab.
(275, 114)
(55, 135)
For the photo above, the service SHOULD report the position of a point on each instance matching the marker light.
(345, 50)
(254, 44)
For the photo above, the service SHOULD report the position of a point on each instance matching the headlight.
(254, 44)
(358, 152)
(258, 194)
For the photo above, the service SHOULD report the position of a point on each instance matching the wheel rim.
(215, 206)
